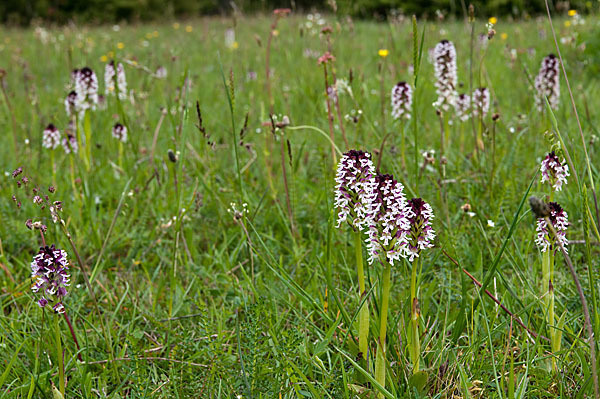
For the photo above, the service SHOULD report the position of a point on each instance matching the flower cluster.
(355, 181)
(49, 268)
(481, 102)
(401, 100)
(109, 80)
(69, 144)
(71, 103)
(463, 107)
(545, 238)
(444, 60)
(420, 234)
(120, 132)
(547, 83)
(554, 171)
(86, 89)
(388, 220)
(51, 137)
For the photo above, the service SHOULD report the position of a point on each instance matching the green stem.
(385, 296)
(59, 355)
(363, 316)
(87, 128)
(415, 344)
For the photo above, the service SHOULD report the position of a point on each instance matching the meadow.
(203, 251)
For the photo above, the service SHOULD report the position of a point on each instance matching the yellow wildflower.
(188, 28)
(504, 36)
(383, 52)
(103, 58)
(155, 33)
(111, 54)
(235, 45)
(176, 25)
(493, 20)
(572, 13)
(567, 24)
(120, 45)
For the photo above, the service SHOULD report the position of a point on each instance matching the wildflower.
(51, 137)
(120, 45)
(325, 58)
(401, 100)
(86, 87)
(504, 36)
(161, 72)
(188, 28)
(71, 103)
(419, 233)
(491, 223)
(547, 83)
(383, 52)
(554, 171)
(49, 268)
(69, 144)
(444, 58)
(493, 20)
(355, 180)
(481, 102)
(109, 80)
(463, 107)
(176, 25)
(545, 238)
(120, 132)
(388, 220)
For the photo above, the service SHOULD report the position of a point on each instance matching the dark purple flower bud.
(17, 172)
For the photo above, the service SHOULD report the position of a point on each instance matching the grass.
(193, 300)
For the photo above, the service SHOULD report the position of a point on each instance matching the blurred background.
(20, 12)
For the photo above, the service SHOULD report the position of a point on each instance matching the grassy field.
(204, 256)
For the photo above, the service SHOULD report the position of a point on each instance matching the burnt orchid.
(547, 83)
(388, 222)
(420, 234)
(51, 137)
(546, 239)
(444, 62)
(50, 270)
(401, 101)
(120, 132)
(554, 171)
(114, 74)
(86, 87)
(481, 102)
(463, 107)
(355, 181)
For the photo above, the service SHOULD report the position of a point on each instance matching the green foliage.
(201, 302)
